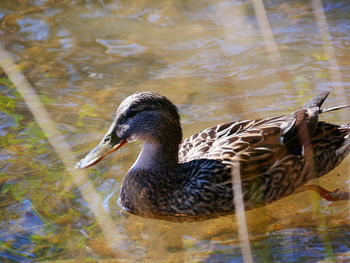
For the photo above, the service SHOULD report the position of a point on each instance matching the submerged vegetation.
(34, 190)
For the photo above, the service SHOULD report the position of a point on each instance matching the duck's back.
(274, 156)
(249, 142)
(257, 145)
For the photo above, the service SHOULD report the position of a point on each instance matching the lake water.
(212, 59)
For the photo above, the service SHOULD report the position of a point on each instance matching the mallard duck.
(192, 180)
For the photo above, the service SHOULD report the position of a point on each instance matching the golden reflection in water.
(213, 66)
(91, 196)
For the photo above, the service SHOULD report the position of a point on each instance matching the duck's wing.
(270, 145)
(255, 146)
(200, 145)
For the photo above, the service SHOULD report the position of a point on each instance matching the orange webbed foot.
(335, 195)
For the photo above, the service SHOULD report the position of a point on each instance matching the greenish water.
(84, 57)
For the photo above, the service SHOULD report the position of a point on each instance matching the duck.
(192, 180)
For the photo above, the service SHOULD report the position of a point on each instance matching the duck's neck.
(157, 156)
(154, 171)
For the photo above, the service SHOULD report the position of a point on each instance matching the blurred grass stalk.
(333, 68)
(55, 138)
(336, 78)
(329, 51)
(270, 43)
(267, 34)
(243, 234)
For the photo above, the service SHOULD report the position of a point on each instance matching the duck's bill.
(100, 152)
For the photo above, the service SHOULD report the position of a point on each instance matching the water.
(84, 57)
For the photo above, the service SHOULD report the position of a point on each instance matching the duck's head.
(144, 116)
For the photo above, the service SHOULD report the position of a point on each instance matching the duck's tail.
(330, 142)
(318, 100)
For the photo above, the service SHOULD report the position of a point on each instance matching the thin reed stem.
(243, 233)
(55, 138)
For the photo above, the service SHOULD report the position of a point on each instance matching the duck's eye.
(130, 113)
(107, 138)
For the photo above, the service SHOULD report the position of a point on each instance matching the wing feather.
(253, 145)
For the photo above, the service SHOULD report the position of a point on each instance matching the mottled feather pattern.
(275, 156)
(206, 189)
(330, 143)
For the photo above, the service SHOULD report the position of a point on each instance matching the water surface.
(210, 58)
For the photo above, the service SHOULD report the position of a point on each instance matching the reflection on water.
(84, 57)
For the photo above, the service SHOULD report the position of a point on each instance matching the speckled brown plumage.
(192, 180)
